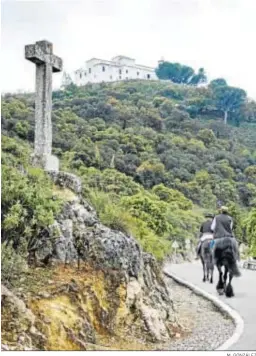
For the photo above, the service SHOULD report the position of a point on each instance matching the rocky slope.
(92, 288)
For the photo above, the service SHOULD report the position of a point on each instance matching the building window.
(120, 71)
(126, 78)
(126, 71)
(90, 70)
(148, 76)
(138, 73)
(110, 77)
(103, 69)
(85, 74)
(120, 77)
(80, 75)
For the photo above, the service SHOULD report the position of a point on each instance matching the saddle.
(206, 236)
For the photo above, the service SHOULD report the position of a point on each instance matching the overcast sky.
(219, 35)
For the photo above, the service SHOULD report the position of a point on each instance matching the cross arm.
(41, 53)
(35, 54)
(56, 63)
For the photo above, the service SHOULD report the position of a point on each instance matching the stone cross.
(41, 53)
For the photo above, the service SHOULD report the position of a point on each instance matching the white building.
(119, 68)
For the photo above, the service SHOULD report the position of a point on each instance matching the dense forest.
(153, 156)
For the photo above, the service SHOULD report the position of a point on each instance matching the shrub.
(13, 264)
(116, 217)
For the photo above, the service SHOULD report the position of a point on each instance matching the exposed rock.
(44, 294)
(4, 347)
(134, 292)
(67, 180)
(180, 258)
(123, 291)
(155, 323)
(78, 231)
(18, 323)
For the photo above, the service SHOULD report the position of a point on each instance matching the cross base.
(47, 162)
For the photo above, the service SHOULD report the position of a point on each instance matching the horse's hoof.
(211, 281)
(229, 292)
(230, 295)
(204, 279)
(220, 291)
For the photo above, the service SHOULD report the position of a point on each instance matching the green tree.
(150, 173)
(250, 226)
(207, 136)
(150, 210)
(22, 128)
(251, 173)
(250, 111)
(198, 78)
(175, 72)
(174, 197)
(219, 82)
(229, 99)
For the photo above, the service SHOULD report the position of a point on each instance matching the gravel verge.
(206, 328)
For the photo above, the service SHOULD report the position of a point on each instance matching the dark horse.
(226, 253)
(207, 260)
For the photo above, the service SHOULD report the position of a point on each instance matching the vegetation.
(228, 99)
(179, 73)
(152, 156)
(28, 204)
(250, 226)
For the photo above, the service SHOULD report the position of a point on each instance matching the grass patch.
(64, 193)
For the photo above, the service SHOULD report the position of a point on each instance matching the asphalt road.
(244, 301)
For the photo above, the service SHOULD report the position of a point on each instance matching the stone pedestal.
(46, 162)
(52, 163)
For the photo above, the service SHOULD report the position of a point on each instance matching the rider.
(222, 225)
(205, 231)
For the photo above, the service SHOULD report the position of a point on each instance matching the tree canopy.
(179, 73)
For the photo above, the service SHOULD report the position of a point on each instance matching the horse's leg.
(208, 273)
(211, 265)
(220, 285)
(211, 269)
(202, 260)
(225, 278)
(211, 279)
(229, 289)
(207, 269)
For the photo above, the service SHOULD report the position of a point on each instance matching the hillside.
(152, 156)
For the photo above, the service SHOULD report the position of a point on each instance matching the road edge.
(233, 314)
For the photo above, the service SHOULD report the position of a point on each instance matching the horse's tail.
(226, 250)
(232, 265)
(230, 255)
